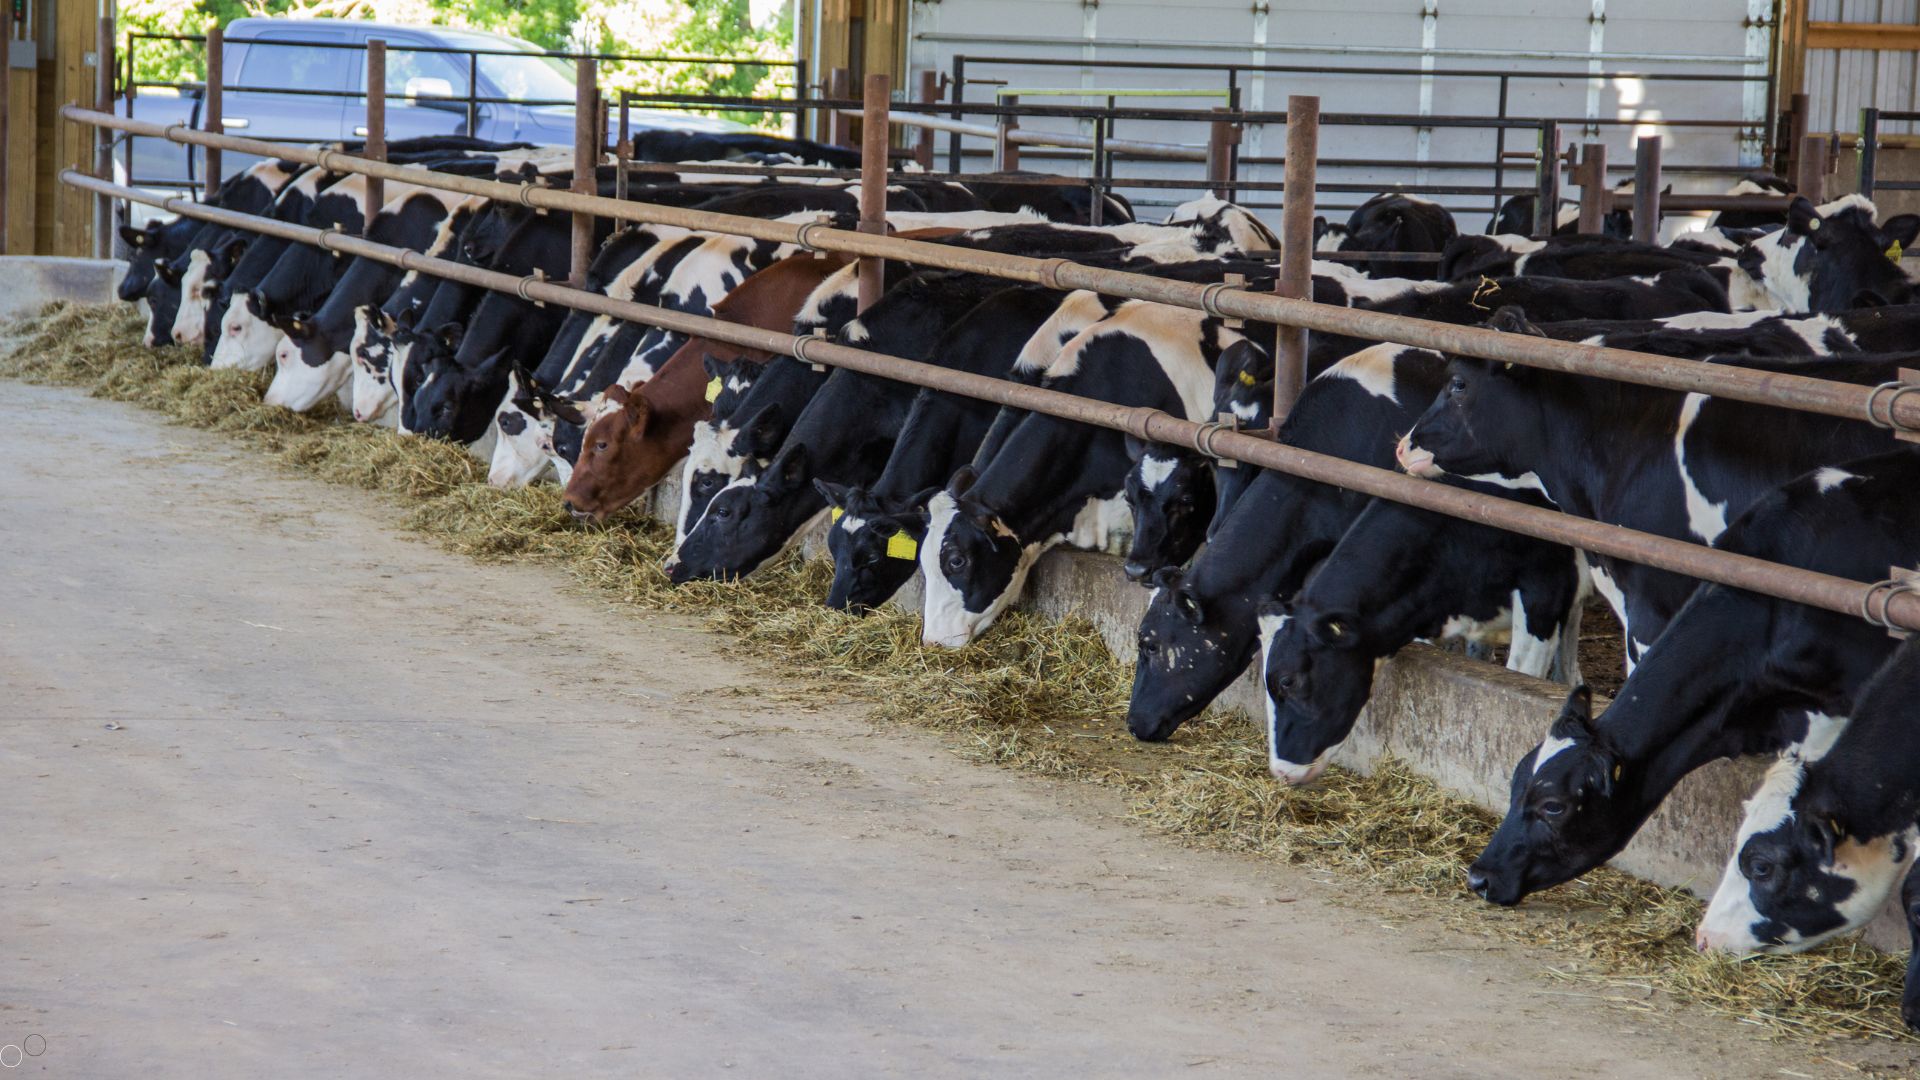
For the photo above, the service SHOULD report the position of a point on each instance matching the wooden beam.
(1885, 37)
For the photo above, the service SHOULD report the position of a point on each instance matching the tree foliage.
(707, 28)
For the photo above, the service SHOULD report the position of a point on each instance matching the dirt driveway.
(286, 793)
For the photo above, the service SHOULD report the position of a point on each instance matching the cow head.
(522, 453)
(728, 380)
(1171, 495)
(1487, 420)
(721, 453)
(1188, 648)
(307, 369)
(616, 464)
(162, 298)
(248, 338)
(1398, 222)
(1799, 873)
(144, 254)
(372, 350)
(455, 400)
(745, 524)
(875, 543)
(1832, 258)
(972, 562)
(1318, 674)
(200, 287)
(1567, 811)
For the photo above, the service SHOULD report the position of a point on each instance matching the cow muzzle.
(1415, 461)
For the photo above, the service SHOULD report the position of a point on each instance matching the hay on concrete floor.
(1035, 694)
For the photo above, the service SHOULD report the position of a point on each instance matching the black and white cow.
(1398, 223)
(876, 531)
(204, 301)
(1832, 257)
(1580, 258)
(1200, 630)
(1054, 481)
(1734, 673)
(1373, 595)
(1660, 461)
(847, 430)
(248, 192)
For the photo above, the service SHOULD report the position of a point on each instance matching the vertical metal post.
(586, 157)
(1220, 140)
(1006, 152)
(929, 95)
(1593, 189)
(1811, 169)
(623, 149)
(839, 88)
(1646, 190)
(473, 94)
(1500, 149)
(1546, 180)
(376, 148)
(1097, 188)
(874, 138)
(800, 90)
(210, 106)
(1798, 119)
(1296, 248)
(1869, 148)
(959, 97)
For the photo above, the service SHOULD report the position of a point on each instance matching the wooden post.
(1799, 116)
(839, 88)
(623, 148)
(6, 106)
(929, 95)
(1546, 181)
(103, 70)
(1646, 190)
(1296, 249)
(586, 158)
(1593, 189)
(1006, 152)
(210, 108)
(1810, 170)
(376, 147)
(874, 138)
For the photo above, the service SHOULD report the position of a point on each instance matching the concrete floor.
(288, 794)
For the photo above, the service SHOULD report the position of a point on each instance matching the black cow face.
(1566, 815)
(743, 526)
(1486, 420)
(1833, 262)
(1318, 675)
(721, 453)
(1171, 495)
(875, 544)
(144, 253)
(974, 565)
(163, 302)
(453, 400)
(1184, 652)
(728, 382)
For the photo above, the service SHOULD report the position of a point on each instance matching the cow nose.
(1477, 881)
(579, 514)
(1701, 941)
(1135, 571)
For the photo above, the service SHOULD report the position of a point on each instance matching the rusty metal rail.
(1895, 405)
(1883, 603)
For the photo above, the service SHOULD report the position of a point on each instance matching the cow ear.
(788, 470)
(565, 410)
(133, 237)
(1337, 630)
(617, 394)
(494, 363)
(1167, 577)
(300, 326)
(1576, 716)
(835, 494)
(388, 324)
(450, 335)
(914, 505)
(1188, 605)
(1902, 229)
(962, 481)
(1512, 319)
(1867, 298)
(762, 433)
(1802, 218)
(1821, 831)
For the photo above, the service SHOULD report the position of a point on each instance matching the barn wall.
(1841, 81)
(1572, 40)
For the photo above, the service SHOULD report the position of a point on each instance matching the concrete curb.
(33, 280)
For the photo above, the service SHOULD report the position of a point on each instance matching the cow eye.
(1552, 808)
(1759, 869)
(1456, 386)
(1147, 644)
(955, 561)
(600, 447)
(721, 512)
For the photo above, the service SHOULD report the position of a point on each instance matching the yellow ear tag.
(713, 389)
(1246, 379)
(902, 546)
(1895, 251)
(834, 514)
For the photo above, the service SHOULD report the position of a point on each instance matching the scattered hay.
(1038, 695)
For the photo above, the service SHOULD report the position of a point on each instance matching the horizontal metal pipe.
(1168, 151)
(1742, 384)
(1332, 69)
(1694, 560)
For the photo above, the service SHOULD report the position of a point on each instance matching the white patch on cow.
(518, 460)
(298, 385)
(1358, 286)
(944, 618)
(962, 219)
(1528, 653)
(850, 523)
(1707, 519)
(1174, 337)
(1097, 527)
(1526, 481)
(1814, 330)
(1246, 411)
(1154, 471)
(189, 321)
(1829, 478)
(147, 336)
(1550, 747)
(1609, 591)
(1714, 320)
(1077, 311)
(1785, 290)
(373, 395)
(247, 341)
(397, 375)
(711, 451)
(1287, 772)
(1330, 241)
(1244, 231)
(857, 332)
(1371, 367)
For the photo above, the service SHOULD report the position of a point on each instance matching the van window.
(284, 62)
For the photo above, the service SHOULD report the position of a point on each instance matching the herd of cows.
(1312, 583)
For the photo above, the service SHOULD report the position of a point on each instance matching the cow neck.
(1603, 436)
(1044, 475)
